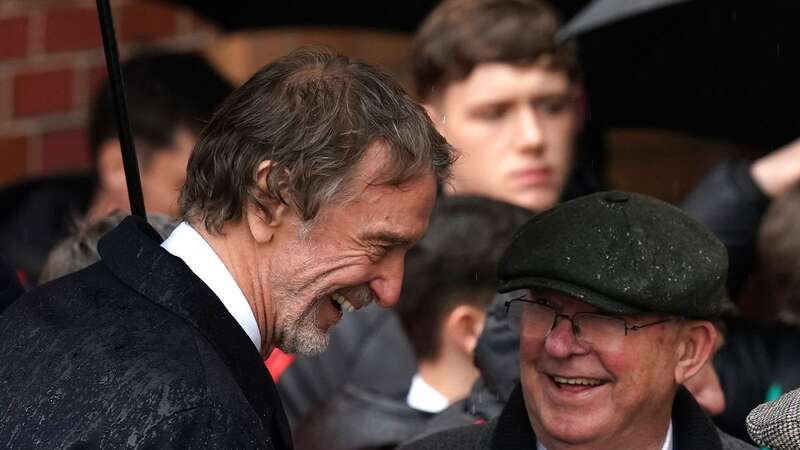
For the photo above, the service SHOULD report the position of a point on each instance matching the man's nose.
(529, 132)
(389, 281)
(561, 342)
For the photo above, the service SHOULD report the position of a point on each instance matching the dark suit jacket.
(691, 430)
(132, 352)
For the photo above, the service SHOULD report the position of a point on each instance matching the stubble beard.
(297, 331)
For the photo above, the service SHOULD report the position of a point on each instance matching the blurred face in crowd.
(515, 127)
(605, 394)
(162, 176)
(353, 253)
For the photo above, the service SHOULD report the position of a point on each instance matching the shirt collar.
(423, 397)
(187, 244)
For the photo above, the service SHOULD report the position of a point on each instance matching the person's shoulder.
(466, 437)
(731, 443)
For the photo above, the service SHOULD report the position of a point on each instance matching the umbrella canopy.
(245, 14)
(720, 69)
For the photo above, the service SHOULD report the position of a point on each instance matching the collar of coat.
(133, 253)
(691, 427)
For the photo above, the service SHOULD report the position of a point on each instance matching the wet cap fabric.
(776, 424)
(624, 253)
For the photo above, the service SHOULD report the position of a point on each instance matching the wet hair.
(166, 92)
(313, 114)
(461, 34)
(79, 250)
(454, 264)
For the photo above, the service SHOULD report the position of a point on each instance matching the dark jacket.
(729, 202)
(691, 429)
(367, 349)
(132, 352)
(10, 289)
(355, 419)
(36, 214)
(755, 360)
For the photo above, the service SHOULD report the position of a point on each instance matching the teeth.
(346, 306)
(577, 381)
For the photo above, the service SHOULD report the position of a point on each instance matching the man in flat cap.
(618, 292)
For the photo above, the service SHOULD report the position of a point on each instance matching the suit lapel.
(133, 253)
(692, 429)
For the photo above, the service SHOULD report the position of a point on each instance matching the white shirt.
(187, 244)
(667, 442)
(423, 397)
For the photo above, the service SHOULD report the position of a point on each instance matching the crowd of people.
(332, 263)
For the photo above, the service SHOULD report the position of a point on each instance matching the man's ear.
(463, 326)
(435, 114)
(697, 342)
(264, 219)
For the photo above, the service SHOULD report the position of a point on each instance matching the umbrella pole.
(129, 159)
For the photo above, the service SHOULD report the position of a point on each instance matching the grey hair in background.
(79, 250)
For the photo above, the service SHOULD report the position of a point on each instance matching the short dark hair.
(454, 264)
(312, 114)
(461, 34)
(165, 91)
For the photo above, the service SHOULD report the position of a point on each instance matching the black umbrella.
(726, 69)
(244, 14)
(129, 159)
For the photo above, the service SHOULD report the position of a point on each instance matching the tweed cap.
(623, 253)
(776, 424)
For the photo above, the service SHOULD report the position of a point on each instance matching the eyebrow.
(388, 238)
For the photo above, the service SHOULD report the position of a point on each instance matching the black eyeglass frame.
(557, 315)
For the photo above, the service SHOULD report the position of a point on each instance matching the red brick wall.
(51, 60)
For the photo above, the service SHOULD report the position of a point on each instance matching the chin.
(538, 200)
(569, 429)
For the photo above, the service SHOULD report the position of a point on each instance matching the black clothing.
(368, 349)
(10, 289)
(35, 215)
(728, 202)
(753, 359)
(691, 429)
(133, 351)
(355, 419)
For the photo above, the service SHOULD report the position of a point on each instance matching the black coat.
(132, 352)
(356, 419)
(691, 430)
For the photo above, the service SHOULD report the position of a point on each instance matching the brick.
(97, 75)
(13, 37)
(14, 154)
(42, 92)
(144, 21)
(72, 29)
(65, 150)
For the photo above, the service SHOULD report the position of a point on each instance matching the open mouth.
(575, 384)
(341, 303)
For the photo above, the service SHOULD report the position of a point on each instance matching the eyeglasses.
(536, 318)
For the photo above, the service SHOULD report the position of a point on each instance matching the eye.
(490, 112)
(553, 106)
(379, 251)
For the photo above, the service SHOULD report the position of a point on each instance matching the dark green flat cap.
(623, 253)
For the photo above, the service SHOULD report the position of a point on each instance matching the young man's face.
(515, 127)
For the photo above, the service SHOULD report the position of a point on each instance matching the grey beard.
(300, 334)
